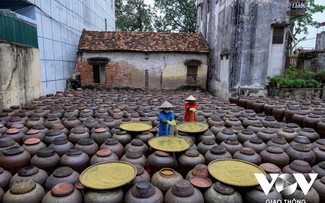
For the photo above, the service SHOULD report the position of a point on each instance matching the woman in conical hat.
(190, 109)
(166, 119)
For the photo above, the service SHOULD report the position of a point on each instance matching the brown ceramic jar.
(217, 152)
(257, 195)
(5, 178)
(100, 135)
(279, 142)
(37, 175)
(46, 159)
(199, 170)
(301, 152)
(245, 135)
(61, 175)
(183, 192)
(248, 154)
(275, 155)
(310, 133)
(142, 175)
(224, 134)
(267, 134)
(104, 196)
(78, 133)
(15, 134)
(142, 192)
(256, 127)
(88, 146)
(14, 158)
(76, 159)
(103, 155)
(165, 179)
(6, 143)
(205, 145)
(114, 145)
(134, 156)
(219, 192)
(63, 193)
(232, 145)
(144, 136)
(32, 145)
(61, 145)
(159, 160)
(137, 144)
(53, 133)
(298, 166)
(189, 160)
(288, 133)
(319, 186)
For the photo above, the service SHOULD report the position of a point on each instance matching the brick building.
(142, 59)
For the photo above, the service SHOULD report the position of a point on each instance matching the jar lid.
(6, 142)
(288, 130)
(12, 131)
(100, 130)
(279, 140)
(143, 190)
(133, 153)
(62, 189)
(137, 142)
(292, 125)
(74, 152)
(270, 168)
(32, 132)
(232, 141)
(228, 131)
(322, 147)
(218, 149)
(182, 188)
(63, 171)
(22, 186)
(320, 141)
(302, 139)
(247, 151)
(28, 171)
(111, 141)
(167, 172)
(13, 151)
(301, 147)
(223, 189)
(256, 140)
(200, 170)
(32, 141)
(54, 132)
(200, 182)
(300, 166)
(208, 142)
(322, 164)
(191, 153)
(60, 140)
(46, 152)
(247, 131)
(85, 141)
(267, 130)
(79, 130)
(52, 118)
(274, 150)
(161, 153)
(104, 152)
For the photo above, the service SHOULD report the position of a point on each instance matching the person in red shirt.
(190, 109)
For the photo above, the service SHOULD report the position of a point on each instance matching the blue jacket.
(164, 128)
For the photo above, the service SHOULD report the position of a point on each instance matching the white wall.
(59, 26)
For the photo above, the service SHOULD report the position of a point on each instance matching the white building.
(59, 26)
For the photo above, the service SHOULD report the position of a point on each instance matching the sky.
(310, 41)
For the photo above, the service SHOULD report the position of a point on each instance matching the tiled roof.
(142, 41)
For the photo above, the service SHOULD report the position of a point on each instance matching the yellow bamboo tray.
(169, 143)
(108, 175)
(135, 126)
(234, 172)
(192, 127)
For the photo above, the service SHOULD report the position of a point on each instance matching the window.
(278, 33)
(146, 78)
(99, 73)
(191, 77)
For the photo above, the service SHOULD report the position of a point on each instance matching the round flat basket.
(169, 143)
(234, 172)
(108, 175)
(134, 126)
(192, 127)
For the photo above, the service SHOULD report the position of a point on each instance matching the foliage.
(176, 15)
(293, 77)
(133, 15)
(299, 25)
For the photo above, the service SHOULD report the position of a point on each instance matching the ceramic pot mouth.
(200, 182)
(247, 151)
(300, 166)
(182, 188)
(104, 152)
(13, 151)
(256, 140)
(270, 168)
(28, 171)
(167, 172)
(45, 152)
(192, 153)
(111, 141)
(223, 189)
(137, 142)
(62, 189)
(218, 150)
(63, 171)
(6, 142)
(60, 141)
(208, 142)
(274, 150)
(22, 186)
(143, 189)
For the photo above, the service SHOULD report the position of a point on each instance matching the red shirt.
(189, 115)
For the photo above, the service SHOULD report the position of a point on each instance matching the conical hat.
(166, 105)
(190, 98)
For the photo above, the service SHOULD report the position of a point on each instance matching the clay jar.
(199, 170)
(206, 145)
(279, 142)
(32, 145)
(320, 127)
(104, 196)
(46, 159)
(311, 121)
(320, 153)
(219, 192)
(217, 152)
(248, 154)
(159, 160)
(134, 156)
(320, 169)
(299, 117)
(278, 112)
(298, 166)
(301, 152)
(206, 135)
(61, 175)
(288, 133)
(32, 133)
(14, 158)
(310, 133)
(53, 133)
(25, 190)
(257, 195)
(88, 146)
(256, 127)
(268, 121)
(232, 121)
(63, 193)
(311, 197)
(224, 134)
(137, 144)
(255, 143)
(102, 156)
(189, 160)
(275, 155)
(114, 145)
(302, 140)
(142, 175)
(270, 168)
(245, 135)
(3, 128)
(232, 145)
(37, 175)
(183, 192)
(78, 133)
(6, 143)
(100, 135)
(319, 186)
(250, 121)
(144, 136)
(71, 122)
(165, 179)
(61, 145)
(142, 192)
(76, 159)
(123, 137)
(5, 178)
(15, 134)
(266, 134)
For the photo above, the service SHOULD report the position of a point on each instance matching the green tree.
(133, 15)
(175, 15)
(299, 24)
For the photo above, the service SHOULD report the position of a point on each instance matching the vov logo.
(284, 182)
